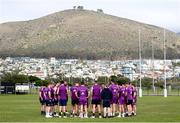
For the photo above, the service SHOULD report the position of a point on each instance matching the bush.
(42, 83)
(33, 79)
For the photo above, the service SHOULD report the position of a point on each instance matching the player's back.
(62, 91)
(114, 88)
(46, 93)
(82, 91)
(106, 94)
(42, 91)
(134, 93)
(129, 91)
(74, 90)
(96, 91)
(122, 92)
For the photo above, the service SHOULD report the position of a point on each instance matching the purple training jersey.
(83, 94)
(48, 93)
(134, 95)
(122, 95)
(114, 88)
(129, 91)
(62, 92)
(96, 92)
(42, 91)
(74, 90)
(55, 92)
(82, 91)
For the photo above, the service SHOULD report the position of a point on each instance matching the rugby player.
(74, 99)
(55, 88)
(96, 99)
(129, 94)
(62, 96)
(122, 100)
(114, 88)
(106, 96)
(83, 94)
(134, 100)
(42, 100)
(49, 100)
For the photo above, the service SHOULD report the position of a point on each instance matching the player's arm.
(126, 92)
(49, 93)
(88, 94)
(76, 93)
(58, 92)
(118, 94)
(135, 93)
(55, 91)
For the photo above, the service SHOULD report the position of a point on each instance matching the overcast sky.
(164, 13)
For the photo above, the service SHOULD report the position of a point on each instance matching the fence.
(160, 91)
(7, 90)
(145, 91)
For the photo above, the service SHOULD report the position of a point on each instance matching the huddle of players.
(114, 98)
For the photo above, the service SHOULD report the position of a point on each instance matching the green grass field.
(25, 108)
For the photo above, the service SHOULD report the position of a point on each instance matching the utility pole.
(152, 43)
(165, 88)
(140, 63)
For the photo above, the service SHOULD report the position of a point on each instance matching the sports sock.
(104, 112)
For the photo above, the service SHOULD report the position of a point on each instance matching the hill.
(84, 34)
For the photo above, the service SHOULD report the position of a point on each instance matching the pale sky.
(164, 13)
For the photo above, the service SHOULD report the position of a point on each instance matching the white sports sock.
(47, 113)
(104, 112)
(81, 115)
(129, 113)
(111, 114)
(85, 115)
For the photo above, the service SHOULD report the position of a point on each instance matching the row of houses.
(54, 68)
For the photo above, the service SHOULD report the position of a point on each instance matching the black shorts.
(96, 102)
(106, 103)
(42, 101)
(63, 102)
(49, 102)
(55, 101)
(129, 102)
(75, 102)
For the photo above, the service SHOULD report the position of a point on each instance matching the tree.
(100, 10)
(80, 7)
(113, 78)
(14, 77)
(122, 80)
(103, 79)
(33, 79)
(42, 83)
(74, 7)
